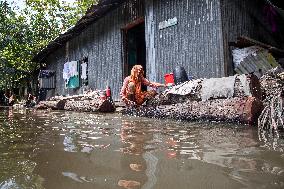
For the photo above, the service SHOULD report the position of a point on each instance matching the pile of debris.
(232, 99)
(272, 82)
(272, 116)
(89, 102)
(259, 60)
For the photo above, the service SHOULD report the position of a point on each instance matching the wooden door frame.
(124, 54)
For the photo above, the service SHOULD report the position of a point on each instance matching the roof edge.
(93, 14)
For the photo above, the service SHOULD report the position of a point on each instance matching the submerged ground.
(49, 149)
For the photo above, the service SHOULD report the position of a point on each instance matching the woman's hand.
(128, 102)
(155, 85)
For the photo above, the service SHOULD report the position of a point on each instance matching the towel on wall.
(84, 71)
(73, 82)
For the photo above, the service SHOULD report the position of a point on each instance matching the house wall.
(251, 19)
(194, 43)
(101, 42)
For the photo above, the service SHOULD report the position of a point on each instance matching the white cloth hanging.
(84, 71)
(70, 69)
(66, 71)
(73, 68)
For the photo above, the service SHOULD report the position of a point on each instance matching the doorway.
(134, 47)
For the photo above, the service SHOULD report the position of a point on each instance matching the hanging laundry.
(66, 72)
(73, 68)
(70, 71)
(73, 82)
(84, 70)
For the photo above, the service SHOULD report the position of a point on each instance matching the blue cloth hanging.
(73, 82)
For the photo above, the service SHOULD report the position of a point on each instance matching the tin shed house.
(160, 35)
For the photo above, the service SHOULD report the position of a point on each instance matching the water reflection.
(16, 170)
(48, 149)
(134, 139)
(69, 143)
(272, 140)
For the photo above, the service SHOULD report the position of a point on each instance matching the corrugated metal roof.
(92, 15)
(276, 4)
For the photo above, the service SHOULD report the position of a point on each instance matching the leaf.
(24, 33)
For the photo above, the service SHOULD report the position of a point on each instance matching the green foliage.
(26, 31)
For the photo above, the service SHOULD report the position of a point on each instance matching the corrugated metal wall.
(195, 42)
(248, 18)
(101, 42)
(47, 83)
(55, 62)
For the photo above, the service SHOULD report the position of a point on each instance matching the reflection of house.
(160, 34)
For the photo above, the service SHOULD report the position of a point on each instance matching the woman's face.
(140, 71)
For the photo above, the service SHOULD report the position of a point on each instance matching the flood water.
(57, 149)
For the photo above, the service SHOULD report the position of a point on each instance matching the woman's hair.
(135, 74)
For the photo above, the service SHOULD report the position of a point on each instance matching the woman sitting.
(131, 92)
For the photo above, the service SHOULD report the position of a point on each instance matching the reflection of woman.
(141, 162)
(132, 160)
(131, 92)
(134, 137)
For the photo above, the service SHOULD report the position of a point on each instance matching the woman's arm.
(123, 88)
(152, 84)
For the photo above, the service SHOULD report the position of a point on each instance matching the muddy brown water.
(57, 149)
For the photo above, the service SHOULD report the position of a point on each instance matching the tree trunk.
(54, 105)
(84, 103)
(244, 106)
(243, 110)
(90, 106)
